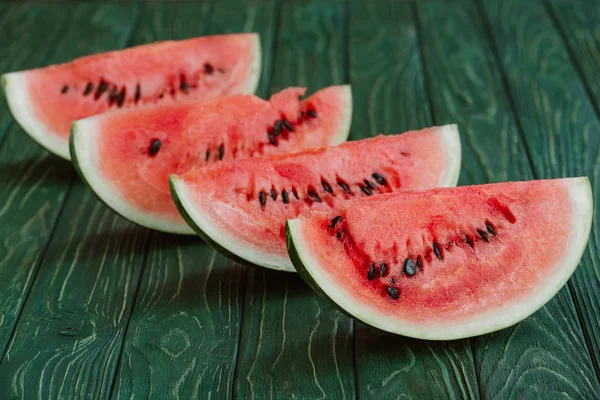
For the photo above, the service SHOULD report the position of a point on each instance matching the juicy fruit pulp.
(46, 101)
(241, 207)
(447, 263)
(127, 156)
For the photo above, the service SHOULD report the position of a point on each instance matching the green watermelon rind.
(308, 268)
(189, 220)
(82, 157)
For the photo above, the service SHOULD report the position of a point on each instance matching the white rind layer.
(256, 65)
(582, 206)
(85, 155)
(451, 142)
(17, 96)
(231, 243)
(258, 256)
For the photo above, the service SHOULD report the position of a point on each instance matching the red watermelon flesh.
(46, 101)
(241, 207)
(115, 152)
(447, 263)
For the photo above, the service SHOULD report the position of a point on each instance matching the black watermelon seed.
(365, 190)
(277, 128)
(112, 96)
(160, 96)
(468, 240)
(221, 151)
(490, 229)
(379, 178)
(369, 184)
(154, 146)
(483, 235)
(102, 86)
(295, 193)
(409, 267)
(314, 196)
(338, 235)
(334, 221)
(208, 68)
(64, 89)
(312, 113)
(287, 125)
(344, 187)
(371, 272)
(262, 198)
(121, 97)
(138, 93)
(273, 194)
(419, 263)
(272, 139)
(393, 292)
(326, 186)
(383, 270)
(284, 197)
(437, 251)
(88, 88)
(183, 85)
(207, 155)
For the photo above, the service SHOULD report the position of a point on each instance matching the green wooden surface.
(390, 97)
(92, 306)
(293, 343)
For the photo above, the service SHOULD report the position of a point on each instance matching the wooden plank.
(29, 34)
(562, 135)
(188, 311)
(466, 86)
(70, 331)
(390, 97)
(578, 23)
(26, 220)
(294, 344)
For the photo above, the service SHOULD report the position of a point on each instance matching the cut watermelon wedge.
(241, 207)
(446, 263)
(46, 101)
(127, 156)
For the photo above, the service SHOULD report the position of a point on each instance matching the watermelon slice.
(46, 101)
(127, 156)
(241, 207)
(446, 263)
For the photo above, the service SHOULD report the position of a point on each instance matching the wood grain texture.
(183, 335)
(69, 333)
(466, 86)
(388, 83)
(293, 343)
(30, 179)
(25, 27)
(562, 135)
(578, 24)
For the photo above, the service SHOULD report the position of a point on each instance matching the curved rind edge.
(86, 175)
(200, 232)
(256, 66)
(344, 131)
(582, 200)
(15, 89)
(451, 138)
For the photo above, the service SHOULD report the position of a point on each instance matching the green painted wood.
(389, 91)
(578, 23)
(29, 200)
(466, 87)
(293, 343)
(68, 337)
(34, 28)
(188, 310)
(562, 135)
